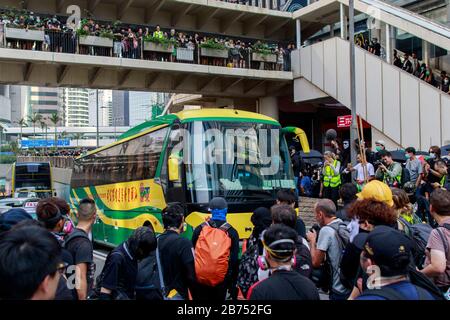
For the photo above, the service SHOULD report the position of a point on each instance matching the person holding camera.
(327, 245)
(389, 171)
(331, 180)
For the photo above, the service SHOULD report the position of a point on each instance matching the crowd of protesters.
(128, 41)
(52, 258)
(409, 63)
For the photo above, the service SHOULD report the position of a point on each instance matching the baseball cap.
(377, 190)
(217, 203)
(12, 217)
(389, 248)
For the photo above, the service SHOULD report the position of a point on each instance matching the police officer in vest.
(331, 180)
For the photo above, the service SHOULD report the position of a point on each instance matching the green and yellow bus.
(171, 160)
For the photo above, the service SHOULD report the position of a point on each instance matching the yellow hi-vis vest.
(331, 179)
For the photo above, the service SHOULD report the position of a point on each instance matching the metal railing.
(55, 162)
(267, 4)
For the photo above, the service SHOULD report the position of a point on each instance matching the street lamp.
(351, 38)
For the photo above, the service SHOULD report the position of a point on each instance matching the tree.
(44, 127)
(55, 118)
(22, 123)
(35, 118)
(77, 136)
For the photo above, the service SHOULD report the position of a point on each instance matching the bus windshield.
(240, 161)
(33, 177)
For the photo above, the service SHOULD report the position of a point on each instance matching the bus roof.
(32, 164)
(211, 114)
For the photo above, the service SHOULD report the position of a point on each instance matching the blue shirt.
(405, 288)
(306, 185)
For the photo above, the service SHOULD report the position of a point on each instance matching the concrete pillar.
(426, 52)
(343, 21)
(390, 42)
(298, 33)
(268, 106)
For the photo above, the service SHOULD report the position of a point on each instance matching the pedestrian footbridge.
(404, 108)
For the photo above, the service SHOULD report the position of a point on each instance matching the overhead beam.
(225, 25)
(94, 75)
(256, 22)
(153, 9)
(176, 17)
(227, 85)
(203, 83)
(27, 70)
(151, 78)
(274, 29)
(253, 86)
(203, 19)
(278, 88)
(124, 77)
(62, 72)
(92, 5)
(59, 6)
(178, 80)
(122, 8)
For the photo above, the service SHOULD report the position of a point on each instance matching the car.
(28, 204)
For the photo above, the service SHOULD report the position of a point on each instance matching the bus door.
(173, 168)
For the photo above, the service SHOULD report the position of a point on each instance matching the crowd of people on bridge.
(375, 228)
(128, 41)
(409, 63)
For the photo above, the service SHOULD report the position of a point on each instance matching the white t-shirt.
(360, 171)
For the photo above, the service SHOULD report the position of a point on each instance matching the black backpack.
(248, 266)
(148, 282)
(406, 176)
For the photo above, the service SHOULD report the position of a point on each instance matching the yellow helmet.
(378, 191)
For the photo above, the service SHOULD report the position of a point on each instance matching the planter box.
(24, 34)
(152, 46)
(264, 58)
(214, 53)
(95, 41)
(184, 54)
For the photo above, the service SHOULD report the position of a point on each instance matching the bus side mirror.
(174, 173)
(300, 135)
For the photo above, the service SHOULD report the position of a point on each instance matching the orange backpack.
(212, 253)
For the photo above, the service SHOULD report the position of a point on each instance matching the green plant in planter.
(165, 42)
(211, 44)
(262, 49)
(106, 34)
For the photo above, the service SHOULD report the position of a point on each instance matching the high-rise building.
(120, 108)
(105, 106)
(141, 105)
(5, 105)
(76, 106)
(19, 103)
(44, 101)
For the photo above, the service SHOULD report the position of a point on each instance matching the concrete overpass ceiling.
(65, 70)
(193, 15)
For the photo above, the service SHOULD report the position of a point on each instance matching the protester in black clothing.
(396, 60)
(12, 217)
(288, 197)
(118, 278)
(407, 65)
(283, 284)
(218, 208)
(49, 214)
(297, 165)
(347, 193)
(286, 215)
(79, 244)
(176, 253)
(30, 264)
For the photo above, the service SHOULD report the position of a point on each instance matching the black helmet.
(409, 187)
